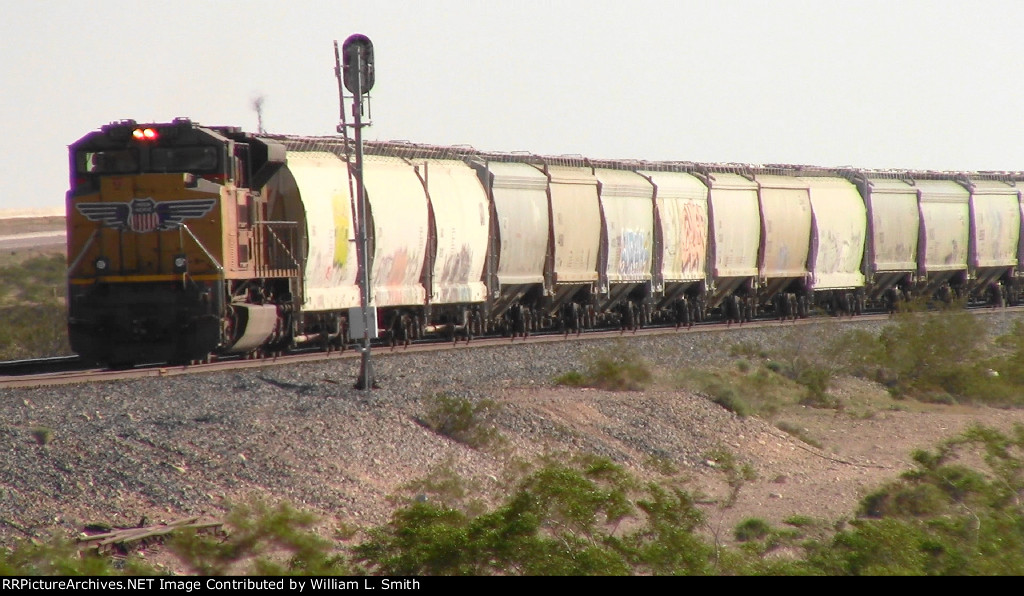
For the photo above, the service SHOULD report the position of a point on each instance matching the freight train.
(188, 241)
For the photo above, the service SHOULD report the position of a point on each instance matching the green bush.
(816, 381)
(752, 528)
(728, 397)
(261, 539)
(747, 349)
(932, 352)
(461, 420)
(562, 519)
(942, 518)
(573, 378)
(615, 369)
(61, 557)
(760, 392)
(943, 356)
(621, 370)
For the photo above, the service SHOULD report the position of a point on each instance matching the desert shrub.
(800, 359)
(261, 539)
(257, 539)
(554, 523)
(728, 397)
(620, 370)
(797, 432)
(943, 517)
(752, 528)
(61, 557)
(616, 369)
(760, 392)
(441, 484)
(563, 518)
(816, 381)
(799, 521)
(461, 420)
(43, 435)
(747, 349)
(897, 500)
(589, 516)
(941, 356)
(668, 542)
(928, 352)
(737, 473)
(856, 352)
(1011, 365)
(573, 378)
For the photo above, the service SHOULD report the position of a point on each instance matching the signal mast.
(356, 73)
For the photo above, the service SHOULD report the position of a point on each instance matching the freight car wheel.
(478, 323)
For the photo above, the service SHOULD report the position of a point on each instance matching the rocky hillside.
(164, 448)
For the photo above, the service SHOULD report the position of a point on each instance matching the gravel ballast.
(163, 448)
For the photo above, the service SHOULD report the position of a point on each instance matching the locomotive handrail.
(266, 225)
(216, 264)
(78, 260)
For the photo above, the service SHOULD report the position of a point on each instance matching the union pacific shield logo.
(145, 215)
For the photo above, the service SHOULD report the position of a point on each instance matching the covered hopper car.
(186, 241)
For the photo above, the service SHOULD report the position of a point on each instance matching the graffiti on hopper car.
(635, 257)
(694, 223)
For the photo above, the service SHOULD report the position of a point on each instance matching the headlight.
(180, 263)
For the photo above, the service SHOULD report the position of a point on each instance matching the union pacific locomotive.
(186, 241)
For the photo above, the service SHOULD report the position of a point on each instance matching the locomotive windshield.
(161, 159)
(183, 159)
(120, 161)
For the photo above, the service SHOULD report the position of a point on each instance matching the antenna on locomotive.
(356, 72)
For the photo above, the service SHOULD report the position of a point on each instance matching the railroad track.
(70, 369)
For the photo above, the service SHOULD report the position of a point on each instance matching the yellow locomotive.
(172, 255)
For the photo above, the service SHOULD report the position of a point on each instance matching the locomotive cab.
(164, 232)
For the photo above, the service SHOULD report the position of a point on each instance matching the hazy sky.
(882, 84)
